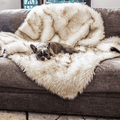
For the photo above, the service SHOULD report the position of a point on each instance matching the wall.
(105, 3)
(10, 4)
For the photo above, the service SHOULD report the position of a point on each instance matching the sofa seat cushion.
(106, 78)
(100, 98)
(13, 77)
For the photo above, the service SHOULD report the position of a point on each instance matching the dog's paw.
(2, 52)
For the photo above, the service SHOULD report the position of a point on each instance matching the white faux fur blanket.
(72, 23)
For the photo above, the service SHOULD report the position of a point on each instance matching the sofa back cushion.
(10, 20)
(111, 18)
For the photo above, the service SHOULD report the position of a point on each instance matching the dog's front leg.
(52, 53)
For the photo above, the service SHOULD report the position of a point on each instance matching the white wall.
(105, 3)
(10, 4)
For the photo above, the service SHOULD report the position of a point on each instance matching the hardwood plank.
(70, 118)
(11, 115)
(39, 116)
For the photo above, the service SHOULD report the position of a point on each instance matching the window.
(64, 1)
(29, 4)
(88, 2)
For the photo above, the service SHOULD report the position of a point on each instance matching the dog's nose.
(42, 59)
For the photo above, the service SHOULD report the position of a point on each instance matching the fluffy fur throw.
(72, 23)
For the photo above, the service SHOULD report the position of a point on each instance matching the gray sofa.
(100, 98)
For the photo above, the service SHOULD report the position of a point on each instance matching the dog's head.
(42, 51)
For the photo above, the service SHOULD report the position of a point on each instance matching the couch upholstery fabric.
(111, 19)
(10, 20)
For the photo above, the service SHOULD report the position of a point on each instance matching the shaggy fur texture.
(74, 24)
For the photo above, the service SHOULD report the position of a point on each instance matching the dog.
(45, 50)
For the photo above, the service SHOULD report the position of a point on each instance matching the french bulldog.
(45, 50)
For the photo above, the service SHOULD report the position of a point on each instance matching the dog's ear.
(48, 45)
(33, 48)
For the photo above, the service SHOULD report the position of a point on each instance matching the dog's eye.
(39, 55)
(46, 54)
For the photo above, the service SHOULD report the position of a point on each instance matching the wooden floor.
(11, 115)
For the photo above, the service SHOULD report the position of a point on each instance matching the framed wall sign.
(29, 4)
